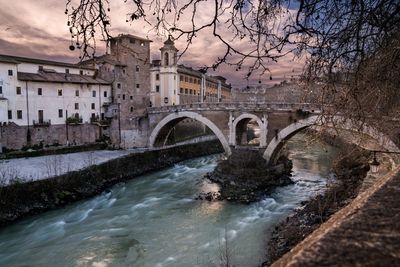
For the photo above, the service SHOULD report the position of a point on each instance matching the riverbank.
(350, 170)
(22, 199)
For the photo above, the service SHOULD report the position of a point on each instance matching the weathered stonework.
(15, 137)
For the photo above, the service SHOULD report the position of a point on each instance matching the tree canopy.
(346, 44)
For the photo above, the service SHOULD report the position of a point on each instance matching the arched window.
(166, 59)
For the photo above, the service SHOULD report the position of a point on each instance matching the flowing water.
(154, 220)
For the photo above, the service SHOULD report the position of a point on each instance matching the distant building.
(286, 92)
(173, 84)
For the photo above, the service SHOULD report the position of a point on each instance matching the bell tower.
(169, 79)
(169, 53)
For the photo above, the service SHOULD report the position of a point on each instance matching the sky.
(39, 29)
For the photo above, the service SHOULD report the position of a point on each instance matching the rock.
(245, 177)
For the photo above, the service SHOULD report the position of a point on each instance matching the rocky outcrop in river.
(245, 176)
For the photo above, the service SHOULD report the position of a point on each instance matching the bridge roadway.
(228, 121)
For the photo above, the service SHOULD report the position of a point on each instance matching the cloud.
(39, 29)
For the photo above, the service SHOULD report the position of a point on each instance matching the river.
(153, 220)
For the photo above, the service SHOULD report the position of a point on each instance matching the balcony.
(74, 120)
(41, 123)
(100, 122)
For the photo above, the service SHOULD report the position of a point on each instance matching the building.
(38, 97)
(292, 91)
(126, 67)
(173, 84)
(48, 102)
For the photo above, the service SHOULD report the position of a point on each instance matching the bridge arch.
(276, 143)
(174, 118)
(248, 116)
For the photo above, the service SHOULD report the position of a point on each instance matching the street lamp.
(374, 164)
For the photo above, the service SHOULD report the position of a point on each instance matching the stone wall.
(13, 136)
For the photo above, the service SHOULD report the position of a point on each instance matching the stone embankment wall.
(364, 233)
(20, 200)
(13, 136)
(353, 225)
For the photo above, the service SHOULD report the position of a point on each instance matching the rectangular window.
(181, 90)
(186, 79)
(118, 85)
(180, 77)
(186, 91)
(10, 72)
(81, 72)
(157, 77)
(40, 68)
(137, 68)
(60, 113)
(67, 71)
(76, 92)
(1, 89)
(191, 80)
(93, 115)
(137, 85)
(18, 90)
(123, 97)
(19, 114)
(93, 106)
(76, 105)
(157, 88)
(190, 91)
(131, 97)
(93, 93)
(10, 114)
(59, 92)
(39, 91)
(105, 93)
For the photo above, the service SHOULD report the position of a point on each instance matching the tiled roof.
(103, 59)
(60, 78)
(17, 60)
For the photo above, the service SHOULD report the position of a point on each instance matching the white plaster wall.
(3, 111)
(49, 101)
(155, 97)
(169, 85)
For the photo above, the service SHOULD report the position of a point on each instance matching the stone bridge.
(228, 121)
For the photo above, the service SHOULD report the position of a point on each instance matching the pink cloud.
(39, 29)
